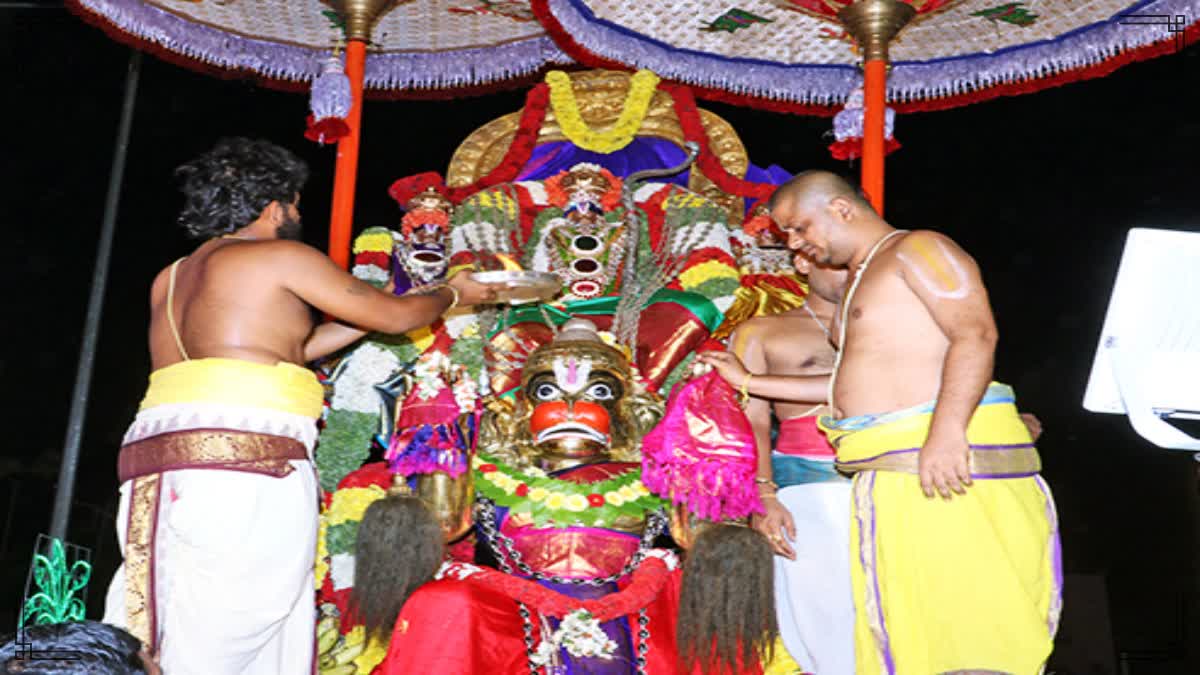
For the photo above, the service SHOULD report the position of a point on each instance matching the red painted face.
(553, 413)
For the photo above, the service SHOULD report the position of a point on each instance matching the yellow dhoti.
(218, 516)
(973, 583)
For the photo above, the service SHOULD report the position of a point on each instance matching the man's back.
(230, 301)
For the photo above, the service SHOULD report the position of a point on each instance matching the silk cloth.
(973, 583)
(702, 453)
(454, 626)
(760, 295)
(672, 326)
(218, 519)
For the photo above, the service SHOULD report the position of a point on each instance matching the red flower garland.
(519, 151)
(693, 130)
(644, 586)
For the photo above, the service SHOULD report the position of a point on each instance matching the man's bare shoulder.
(280, 255)
(923, 241)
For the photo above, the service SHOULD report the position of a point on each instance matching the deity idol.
(562, 510)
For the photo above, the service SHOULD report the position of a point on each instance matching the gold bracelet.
(454, 302)
(745, 391)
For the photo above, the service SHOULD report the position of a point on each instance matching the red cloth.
(800, 436)
(454, 627)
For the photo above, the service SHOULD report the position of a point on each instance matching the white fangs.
(571, 429)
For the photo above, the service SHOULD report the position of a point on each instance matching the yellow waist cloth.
(284, 386)
(1001, 446)
(973, 583)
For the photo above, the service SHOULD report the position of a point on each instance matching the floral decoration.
(637, 103)
(553, 502)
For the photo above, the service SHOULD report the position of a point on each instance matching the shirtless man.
(964, 583)
(807, 501)
(218, 513)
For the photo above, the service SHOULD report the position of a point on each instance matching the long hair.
(727, 603)
(399, 548)
(227, 187)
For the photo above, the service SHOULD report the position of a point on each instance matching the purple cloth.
(643, 153)
(624, 658)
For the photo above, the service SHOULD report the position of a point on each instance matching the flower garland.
(373, 256)
(519, 151)
(550, 501)
(338, 531)
(710, 165)
(642, 86)
(556, 195)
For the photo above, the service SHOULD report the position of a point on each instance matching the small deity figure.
(419, 256)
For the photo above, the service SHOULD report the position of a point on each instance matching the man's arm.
(328, 338)
(948, 283)
(746, 342)
(316, 280)
(793, 388)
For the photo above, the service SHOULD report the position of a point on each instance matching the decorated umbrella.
(417, 48)
(804, 56)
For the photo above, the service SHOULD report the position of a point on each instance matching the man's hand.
(728, 366)
(1033, 424)
(777, 526)
(471, 292)
(943, 467)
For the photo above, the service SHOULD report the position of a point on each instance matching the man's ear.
(843, 208)
(272, 213)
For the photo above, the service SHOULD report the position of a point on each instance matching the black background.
(1041, 189)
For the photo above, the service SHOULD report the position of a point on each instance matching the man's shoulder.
(922, 238)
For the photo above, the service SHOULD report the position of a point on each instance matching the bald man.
(807, 501)
(955, 556)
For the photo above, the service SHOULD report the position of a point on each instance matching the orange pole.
(874, 106)
(346, 173)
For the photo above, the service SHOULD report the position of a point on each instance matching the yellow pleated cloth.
(973, 583)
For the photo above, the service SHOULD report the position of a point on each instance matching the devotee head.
(399, 548)
(75, 648)
(238, 182)
(818, 210)
(828, 283)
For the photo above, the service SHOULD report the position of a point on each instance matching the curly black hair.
(72, 648)
(227, 187)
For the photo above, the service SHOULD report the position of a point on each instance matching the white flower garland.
(354, 388)
(581, 635)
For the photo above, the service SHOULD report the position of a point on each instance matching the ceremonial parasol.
(417, 48)
(804, 56)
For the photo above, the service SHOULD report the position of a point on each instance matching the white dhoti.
(233, 570)
(218, 523)
(814, 599)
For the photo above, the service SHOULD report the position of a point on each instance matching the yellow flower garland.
(642, 86)
(322, 566)
(373, 242)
